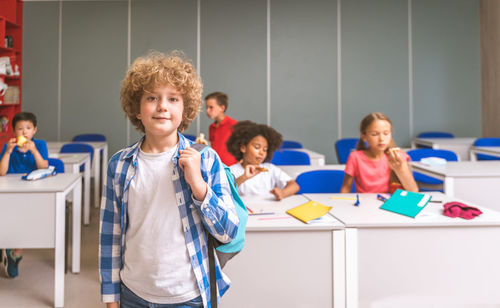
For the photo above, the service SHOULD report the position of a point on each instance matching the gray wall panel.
(304, 73)
(375, 64)
(164, 26)
(375, 72)
(40, 65)
(447, 67)
(93, 64)
(233, 56)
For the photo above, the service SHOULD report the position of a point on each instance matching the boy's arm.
(39, 152)
(110, 240)
(4, 161)
(217, 210)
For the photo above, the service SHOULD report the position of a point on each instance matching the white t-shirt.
(156, 264)
(262, 183)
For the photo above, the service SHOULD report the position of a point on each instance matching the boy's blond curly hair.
(157, 69)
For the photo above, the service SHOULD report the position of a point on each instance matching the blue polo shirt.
(25, 162)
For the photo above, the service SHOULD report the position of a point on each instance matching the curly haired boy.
(162, 197)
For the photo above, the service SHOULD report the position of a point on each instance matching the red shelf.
(11, 20)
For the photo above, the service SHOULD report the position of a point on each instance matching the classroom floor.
(34, 287)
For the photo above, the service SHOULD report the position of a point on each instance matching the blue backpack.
(225, 251)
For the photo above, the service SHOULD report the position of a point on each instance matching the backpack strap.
(211, 248)
(211, 270)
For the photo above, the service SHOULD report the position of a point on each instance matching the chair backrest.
(321, 181)
(57, 163)
(487, 142)
(343, 148)
(435, 135)
(78, 148)
(289, 144)
(290, 157)
(190, 137)
(90, 137)
(418, 154)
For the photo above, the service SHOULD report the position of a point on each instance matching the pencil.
(262, 213)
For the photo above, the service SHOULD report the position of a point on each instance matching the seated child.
(222, 127)
(22, 154)
(253, 146)
(380, 167)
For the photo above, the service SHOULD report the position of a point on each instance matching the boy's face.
(213, 109)
(161, 111)
(25, 128)
(378, 135)
(255, 152)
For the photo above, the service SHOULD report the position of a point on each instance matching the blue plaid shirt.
(215, 214)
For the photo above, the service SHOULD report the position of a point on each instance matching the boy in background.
(22, 154)
(222, 127)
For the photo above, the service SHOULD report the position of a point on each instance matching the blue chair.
(418, 154)
(57, 163)
(90, 137)
(343, 148)
(487, 142)
(321, 181)
(78, 148)
(435, 135)
(190, 137)
(289, 144)
(290, 157)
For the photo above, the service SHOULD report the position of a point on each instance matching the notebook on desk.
(309, 211)
(406, 203)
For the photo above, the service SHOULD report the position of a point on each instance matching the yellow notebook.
(309, 211)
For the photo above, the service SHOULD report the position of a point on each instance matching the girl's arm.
(291, 188)
(250, 172)
(402, 170)
(347, 184)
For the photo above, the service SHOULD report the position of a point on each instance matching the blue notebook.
(406, 203)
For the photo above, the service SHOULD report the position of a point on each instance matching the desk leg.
(413, 145)
(86, 193)
(97, 179)
(339, 269)
(351, 266)
(449, 186)
(59, 250)
(473, 155)
(77, 218)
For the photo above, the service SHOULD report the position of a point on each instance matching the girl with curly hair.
(253, 145)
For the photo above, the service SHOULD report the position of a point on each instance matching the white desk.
(477, 182)
(33, 216)
(98, 169)
(430, 261)
(460, 146)
(294, 171)
(492, 151)
(317, 159)
(72, 163)
(286, 263)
